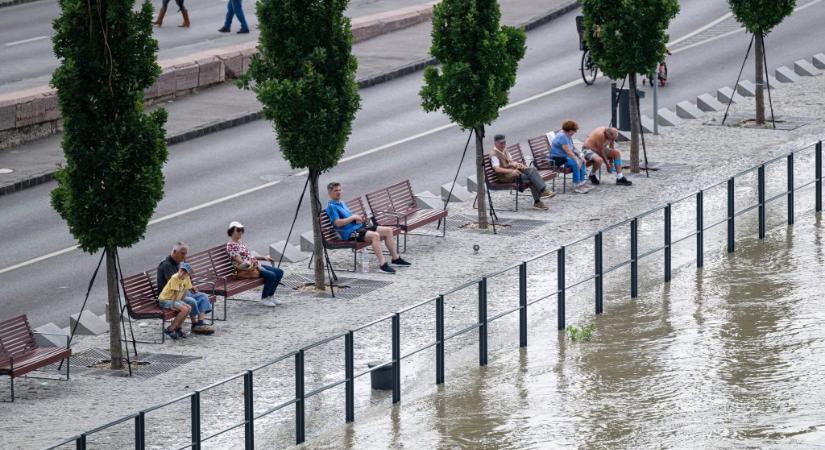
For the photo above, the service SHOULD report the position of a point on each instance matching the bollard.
(668, 250)
(396, 358)
(482, 320)
(760, 173)
(80, 442)
(790, 189)
(439, 339)
(349, 374)
(522, 302)
(700, 229)
(300, 399)
(140, 431)
(195, 420)
(249, 413)
(560, 293)
(599, 272)
(818, 173)
(634, 257)
(731, 212)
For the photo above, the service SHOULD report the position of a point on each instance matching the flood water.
(731, 356)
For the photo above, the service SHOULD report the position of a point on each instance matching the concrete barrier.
(709, 103)
(725, 95)
(668, 118)
(687, 110)
(805, 69)
(786, 75)
(746, 89)
(819, 61)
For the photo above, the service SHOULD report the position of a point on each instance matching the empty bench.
(19, 353)
(395, 206)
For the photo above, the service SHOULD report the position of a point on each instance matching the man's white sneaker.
(276, 302)
(581, 190)
(268, 302)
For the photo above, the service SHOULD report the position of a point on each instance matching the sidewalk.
(380, 59)
(254, 335)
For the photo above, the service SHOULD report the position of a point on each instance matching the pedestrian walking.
(181, 8)
(234, 8)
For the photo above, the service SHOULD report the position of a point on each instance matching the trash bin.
(624, 107)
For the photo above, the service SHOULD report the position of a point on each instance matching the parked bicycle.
(589, 68)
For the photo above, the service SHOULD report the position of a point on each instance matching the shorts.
(360, 234)
(171, 304)
(588, 154)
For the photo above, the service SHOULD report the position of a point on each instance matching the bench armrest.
(53, 334)
(393, 214)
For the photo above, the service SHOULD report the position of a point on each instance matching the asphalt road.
(27, 60)
(392, 139)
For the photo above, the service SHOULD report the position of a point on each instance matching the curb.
(245, 118)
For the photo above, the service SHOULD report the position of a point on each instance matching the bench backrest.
(489, 172)
(356, 206)
(16, 339)
(139, 290)
(516, 153)
(221, 264)
(540, 148)
(201, 264)
(380, 201)
(401, 196)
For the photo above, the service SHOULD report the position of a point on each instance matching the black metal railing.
(481, 324)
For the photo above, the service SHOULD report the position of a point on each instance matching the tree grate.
(146, 365)
(346, 288)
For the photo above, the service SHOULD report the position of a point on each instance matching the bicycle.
(589, 68)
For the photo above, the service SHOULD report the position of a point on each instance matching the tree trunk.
(316, 229)
(635, 125)
(759, 53)
(113, 311)
(482, 186)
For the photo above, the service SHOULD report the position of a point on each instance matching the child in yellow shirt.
(172, 297)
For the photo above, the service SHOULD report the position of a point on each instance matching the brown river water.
(730, 356)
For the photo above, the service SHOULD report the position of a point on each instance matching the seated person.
(172, 297)
(354, 227)
(198, 301)
(601, 144)
(246, 265)
(509, 171)
(563, 153)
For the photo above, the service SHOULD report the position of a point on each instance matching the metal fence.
(483, 321)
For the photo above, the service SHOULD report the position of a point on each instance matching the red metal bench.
(395, 206)
(540, 148)
(19, 353)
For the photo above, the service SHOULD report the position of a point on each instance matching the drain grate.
(505, 227)
(147, 365)
(346, 288)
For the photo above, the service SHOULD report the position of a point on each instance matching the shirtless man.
(600, 147)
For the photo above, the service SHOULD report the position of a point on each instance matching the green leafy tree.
(479, 60)
(628, 38)
(304, 75)
(112, 180)
(759, 17)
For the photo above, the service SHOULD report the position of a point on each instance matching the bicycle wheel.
(588, 68)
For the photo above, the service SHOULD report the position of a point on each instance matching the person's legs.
(387, 237)
(272, 276)
(577, 172)
(238, 8)
(183, 312)
(374, 239)
(537, 184)
(227, 22)
(616, 156)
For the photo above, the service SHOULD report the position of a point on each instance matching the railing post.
(634, 257)
(522, 303)
(731, 213)
(140, 431)
(80, 442)
(818, 172)
(349, 369)
(561, 283)
(249, 412)
(700, 229)
(790, 189)
(439, 340)
(300, 398)
(396, 358)
(599, 272)
(195, 420)
(760, 193)
(668, 240)
(482, 320)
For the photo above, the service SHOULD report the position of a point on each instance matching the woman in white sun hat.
(247, 266)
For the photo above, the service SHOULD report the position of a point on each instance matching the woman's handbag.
(244, 270)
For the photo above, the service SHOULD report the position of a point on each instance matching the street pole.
(655, 104)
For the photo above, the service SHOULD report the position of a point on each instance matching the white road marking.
(380, 148)
(26, 41)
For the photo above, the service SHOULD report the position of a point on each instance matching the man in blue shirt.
(354, 227)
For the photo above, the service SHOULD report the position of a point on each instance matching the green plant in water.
(585, 333)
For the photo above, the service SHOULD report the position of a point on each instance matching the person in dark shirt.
(198, 300)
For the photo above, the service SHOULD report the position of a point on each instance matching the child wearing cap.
(174, 297)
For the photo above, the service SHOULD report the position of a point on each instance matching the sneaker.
(400, 262)
(243, 31)
(594, 180)
(201, 328)
(223, 30)
(275, 301)
(540, 205)
(386, 268)
(623, 181)
(172, 334)
(180, 333)
(581, 190)
(547, 193)
(268, 302)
